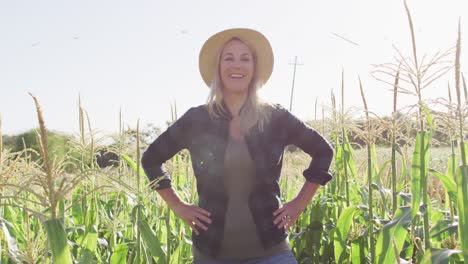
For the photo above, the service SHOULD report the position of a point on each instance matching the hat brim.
(208, 57)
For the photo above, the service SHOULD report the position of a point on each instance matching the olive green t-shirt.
(240, 240)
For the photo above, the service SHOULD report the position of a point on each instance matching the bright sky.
(142, 55)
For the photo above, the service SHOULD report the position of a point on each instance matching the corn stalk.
(463, 169)
(414, 76)
(344, 142)
(394, 144)
(139, 198)
(54, 226)
(369, 177)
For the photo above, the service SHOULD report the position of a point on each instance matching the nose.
(237, 64)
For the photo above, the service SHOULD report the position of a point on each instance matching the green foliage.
(58, 241)
(419, 170)
(463, 207)
(392, 236)
(106, 216)
(58, 142)
(440, 256)
(341, 234)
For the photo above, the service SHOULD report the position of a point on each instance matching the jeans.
(283, 258)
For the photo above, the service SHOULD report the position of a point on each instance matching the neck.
(235, 102)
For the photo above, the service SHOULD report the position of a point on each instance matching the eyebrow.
(230, 53)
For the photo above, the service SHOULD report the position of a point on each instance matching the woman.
(236, 143)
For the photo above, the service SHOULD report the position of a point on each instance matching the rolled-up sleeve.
(169, 143)
(312, 143)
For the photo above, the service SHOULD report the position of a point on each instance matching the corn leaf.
(151, 241)
(12, 243)
(439, 256)
(394, 230)
(343, 226)
(58, 241)
(449, 184)
(89, 247)
(416, 169)
(119, 256)
(463, 208)
(133, 164)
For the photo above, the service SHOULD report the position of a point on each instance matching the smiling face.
(236, 67)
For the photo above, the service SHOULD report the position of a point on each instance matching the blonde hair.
(254, 111)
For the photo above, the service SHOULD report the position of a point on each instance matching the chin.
(236, 90)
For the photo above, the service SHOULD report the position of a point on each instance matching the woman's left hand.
(286, 215)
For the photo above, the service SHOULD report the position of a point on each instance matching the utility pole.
(294, 77)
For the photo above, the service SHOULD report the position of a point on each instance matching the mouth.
(236, 76)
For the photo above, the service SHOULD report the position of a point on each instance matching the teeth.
(234, 75)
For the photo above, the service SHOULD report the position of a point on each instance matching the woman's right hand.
(192, 215)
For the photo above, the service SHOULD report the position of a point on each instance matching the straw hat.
(208, 63)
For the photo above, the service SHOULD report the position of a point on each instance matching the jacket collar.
(224, 112)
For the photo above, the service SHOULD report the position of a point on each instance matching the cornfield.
(393, 204)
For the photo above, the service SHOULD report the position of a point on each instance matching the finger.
(194, 228)
(204, 218)
(283, 219)
(200, 224)
(281, 209)
(282, 224)
(280, 217)
(277, 220)
(289, 223)
(202, 211)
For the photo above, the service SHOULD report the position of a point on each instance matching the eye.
(246, 59)
(228, 58)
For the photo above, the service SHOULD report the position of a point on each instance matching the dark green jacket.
(206, 140)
